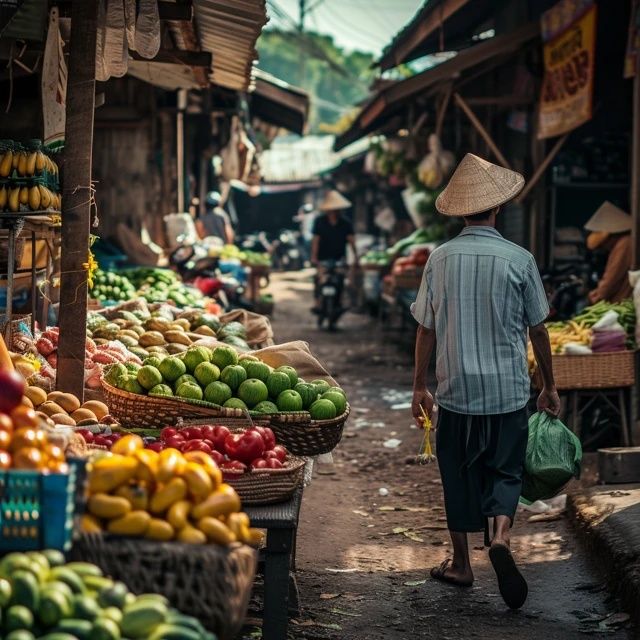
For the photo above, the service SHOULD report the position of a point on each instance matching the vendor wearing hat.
(479, 297)
(610, 229)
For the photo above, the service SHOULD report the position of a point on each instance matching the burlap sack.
(297, 355)
(259, 331)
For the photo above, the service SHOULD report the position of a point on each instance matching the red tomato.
(218, 458)
(86, 434)
(155, 446)
(167, 433)
(176, 441)
(281, 452)
(208, 432)
(220, 436)
(272, 463)
(267, 435)
(102, 441)
(209, 443)
(196, 445)
(270, 454)
(192, 433)
(233, 467)
(260, 463)
(245, 447)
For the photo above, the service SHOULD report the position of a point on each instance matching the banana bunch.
(36, 197)
(26, 163)
(560, 335)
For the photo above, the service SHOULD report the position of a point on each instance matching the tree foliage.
(335, 78)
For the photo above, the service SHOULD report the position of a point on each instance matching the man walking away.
(215, 223)
(479, 295)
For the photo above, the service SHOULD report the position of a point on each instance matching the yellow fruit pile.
(164, 496)
(560, 335)
(64, 408)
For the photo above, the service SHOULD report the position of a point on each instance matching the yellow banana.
(23, 161)
(40, 160)
(45, 196)
(32, 159)
(3, 198)
(7, 164)
(16, 159)
(24, 195)
(34, 198)
(14, 199)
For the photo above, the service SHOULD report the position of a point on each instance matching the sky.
(365, 25)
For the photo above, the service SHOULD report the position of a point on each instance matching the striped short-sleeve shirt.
(480, 293)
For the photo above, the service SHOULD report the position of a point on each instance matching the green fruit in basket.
(69, 577)
(80, 629)
(85, 607)
(25, 590)
(195, 356)
(289, 400)
(162, 390)
(5, 593)
(206, 373)
(277, 382)
(132, 367)
(217, 393)
(234, 403)
(266, 407)
(40, 559)
(114, 595)
(252, 392)
(54, 557)
(114, 372)
(149, 377)
(57, 587)
(54, 606)
(20, 634)
(321, 385)
(338, 390)
(189, 391)
(113, 613)
(339, 401)
(177, 632)
(224, 356)
(18, 617)
(256, 369)
(130, 383)
(308, 393)
(105, 629)
(172, 368)
(187, 377)
(233, 375)
(152, 361)
(141, 619)
(323, 410)
(291, 372)
(245, 357)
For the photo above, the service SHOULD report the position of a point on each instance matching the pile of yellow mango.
(560, 335)
(164, 496)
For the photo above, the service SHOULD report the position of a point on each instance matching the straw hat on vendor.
(610, 231)
(334, 201)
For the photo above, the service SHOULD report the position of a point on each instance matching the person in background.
(306, 219)
(480, 296)
(610, 229)
(215, 222)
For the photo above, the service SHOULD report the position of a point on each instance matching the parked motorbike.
(567, 286)
(330, 280)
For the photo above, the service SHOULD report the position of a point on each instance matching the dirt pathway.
(372, 525)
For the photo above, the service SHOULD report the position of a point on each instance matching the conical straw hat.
(610, 219)
(478, 185)
(334, 200)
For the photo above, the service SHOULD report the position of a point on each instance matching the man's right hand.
(549, 401)
(422, 399)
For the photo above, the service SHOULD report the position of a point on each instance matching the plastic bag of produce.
(554, 455)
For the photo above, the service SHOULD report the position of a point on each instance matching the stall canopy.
(440, 25)
(390, 101)
(229, 29)
(278, 103)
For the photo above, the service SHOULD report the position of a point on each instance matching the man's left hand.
(421, 399)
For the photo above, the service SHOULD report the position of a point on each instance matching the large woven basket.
(591, 371)
(270, 485)
(135, 410)
(209, 582)
(305, 437)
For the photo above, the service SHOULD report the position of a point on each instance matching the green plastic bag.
(554, 455)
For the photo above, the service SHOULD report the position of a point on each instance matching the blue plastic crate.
(37, 509)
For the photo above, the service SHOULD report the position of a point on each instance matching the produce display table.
(280, 588)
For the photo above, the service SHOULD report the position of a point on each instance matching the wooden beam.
(77, 197)
(481, 130)
(635, 167)
(442, 110)
(178, 56)
(539, 172)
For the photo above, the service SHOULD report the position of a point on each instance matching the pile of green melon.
(222, 377)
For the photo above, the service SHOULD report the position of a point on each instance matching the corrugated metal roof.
(279, 103)
(229, 29)
(166, 76)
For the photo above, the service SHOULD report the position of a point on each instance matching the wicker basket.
(270, 485)
(134, 410)
(208, 582)
(16, 322)
(592, 371)
(305, 437)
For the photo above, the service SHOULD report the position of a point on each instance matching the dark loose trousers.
(481, 460)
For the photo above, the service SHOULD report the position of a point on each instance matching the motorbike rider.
(332, 232)
(215, 223)
(610, 229)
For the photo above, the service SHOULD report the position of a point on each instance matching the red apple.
(176, 441)
(86, 434)
(167, 433)
(102, 441)
(155, 446)
(280, 452)
(259, 463)
(273, 463)
(218, 458)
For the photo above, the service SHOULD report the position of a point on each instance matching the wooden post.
(77, 196)
(182, 105)
(635, 166)
(539, 172)
(481, 130)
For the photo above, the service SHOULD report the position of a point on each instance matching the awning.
(166, 76)
(381, 107)
(278, 103)
(229, 29)
(440, 25)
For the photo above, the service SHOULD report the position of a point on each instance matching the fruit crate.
(37, 510)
